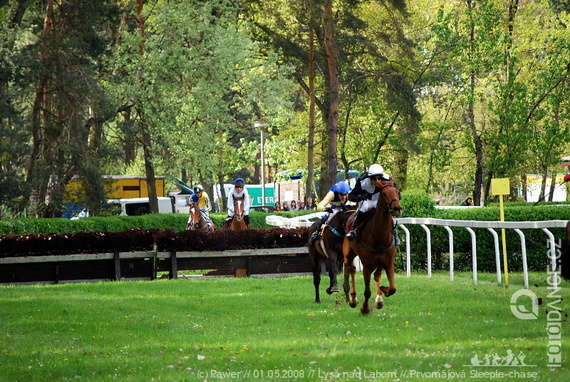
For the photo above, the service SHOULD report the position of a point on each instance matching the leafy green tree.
(492, 80)
(358, 68)
(200, 83)
(54, 67)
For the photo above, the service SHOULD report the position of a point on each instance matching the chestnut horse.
(327, 249)
(238, 222)
(196, 221)
(375, 246)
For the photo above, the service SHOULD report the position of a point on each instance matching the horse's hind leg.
(333, 273)
(317, 281)
(366, 273)
(316, 274)
(350, 292)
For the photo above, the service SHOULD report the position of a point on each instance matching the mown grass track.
(261, 329)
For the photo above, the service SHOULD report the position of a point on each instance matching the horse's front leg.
(388, 291)
(366, 274)
(378, 302)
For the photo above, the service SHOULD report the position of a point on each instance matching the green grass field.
(262, 329)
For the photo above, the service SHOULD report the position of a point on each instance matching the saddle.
(368, 215)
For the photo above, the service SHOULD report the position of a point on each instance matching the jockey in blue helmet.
(332, 203)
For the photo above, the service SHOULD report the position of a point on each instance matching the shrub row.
(149, 240)
(176, 222)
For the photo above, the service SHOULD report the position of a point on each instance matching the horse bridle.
(237, 201)
(196, 223)
(389, 207)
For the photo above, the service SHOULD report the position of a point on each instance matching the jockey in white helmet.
(366, 193)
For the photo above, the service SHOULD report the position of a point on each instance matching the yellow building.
(118, 187)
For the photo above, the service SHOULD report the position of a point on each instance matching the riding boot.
(314, 237)
(396, 238)
(246, 219)
(352, 234)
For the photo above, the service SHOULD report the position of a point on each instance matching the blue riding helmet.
(341, 188)
(239, 182)
(198, 188)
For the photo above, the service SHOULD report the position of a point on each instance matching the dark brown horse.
(327, 249)
(197, 221)
(238, 222)
(375, 246)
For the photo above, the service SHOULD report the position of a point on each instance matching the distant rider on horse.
(238, 191)
(366, 193)
(202, 200)
(331, 203)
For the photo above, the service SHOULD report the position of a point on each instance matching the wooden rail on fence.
(146, 265)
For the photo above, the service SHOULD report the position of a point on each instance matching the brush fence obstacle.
(491, 226)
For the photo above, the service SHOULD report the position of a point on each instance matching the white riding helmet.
(375, 169)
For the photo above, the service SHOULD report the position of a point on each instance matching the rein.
(333, 230)
(392, 244)
(336, 233)
(389, 207)
(202, 226)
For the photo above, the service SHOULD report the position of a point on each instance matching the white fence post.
(428, 243)
(450, 232)
(408, 251)
(552, 248)
(497, 254)
(523, 253)
(473, 253)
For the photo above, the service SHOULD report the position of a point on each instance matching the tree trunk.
(311, 143)
(149, 171)
(130, 151)
(478, 143)
(552, 187)
(145, 134)
(332, 120)
(400, 172)
(41, 107)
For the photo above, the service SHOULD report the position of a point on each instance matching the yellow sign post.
(500, 187)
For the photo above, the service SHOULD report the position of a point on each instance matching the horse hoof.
(379, 302)
(365, 309)
(332, 290)
(353, 303)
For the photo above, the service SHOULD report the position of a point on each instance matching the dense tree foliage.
(446, 95)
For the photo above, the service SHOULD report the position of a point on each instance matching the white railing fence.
(491, 226)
